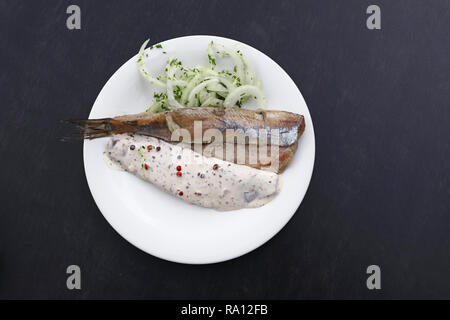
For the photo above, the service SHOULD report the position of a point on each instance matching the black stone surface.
(380, 189)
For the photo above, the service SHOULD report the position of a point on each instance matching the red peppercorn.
(178, 168)
(179, 173)
(149, 147)
(180, 193)
(132, 147)
(146, 166)
(215, 167)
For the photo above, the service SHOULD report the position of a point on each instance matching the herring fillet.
(196, 179)
(161, 125)
(275, 162)
(288, 126)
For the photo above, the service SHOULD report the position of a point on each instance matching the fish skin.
(161, 125)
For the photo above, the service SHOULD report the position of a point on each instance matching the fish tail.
(93, 128)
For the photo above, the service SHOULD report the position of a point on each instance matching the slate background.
(380, 189)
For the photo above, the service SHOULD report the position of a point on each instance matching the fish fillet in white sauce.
(199, 180)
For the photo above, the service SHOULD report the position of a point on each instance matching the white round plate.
(163, 225)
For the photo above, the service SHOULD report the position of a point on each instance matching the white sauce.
(229, 187)
(110, 162)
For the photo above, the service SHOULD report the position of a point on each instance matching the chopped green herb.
(212, 61)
